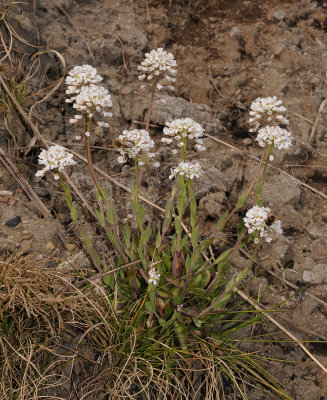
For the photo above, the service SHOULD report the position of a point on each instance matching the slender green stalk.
(87, 143)
(184, 140)
(154, 88)
(259, 189)
(137, 179)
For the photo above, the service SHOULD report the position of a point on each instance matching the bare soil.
(228, 53)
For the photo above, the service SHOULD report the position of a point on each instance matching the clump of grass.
(32, 317)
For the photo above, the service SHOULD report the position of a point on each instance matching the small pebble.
(41, 191)
(50, 246)
(14, 222)
(70, 246)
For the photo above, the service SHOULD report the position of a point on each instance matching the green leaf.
(131, 274)
(188, 263)
(127, 235)
(259, 190)
(240, 227)
(98, 195)
(197, 291)
(223, 256)
(206, 243)
(193, 213)
(195, 236)
(139, 214)
(144, 238)
(100, 217)
(106, 195)
(241, 200)
(221, 219)
(165, 294)
(112, 216)
(260, 204)
(181, 334)
(73, 212)
(183, 242)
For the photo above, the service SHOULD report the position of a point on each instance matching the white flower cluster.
(187, 169)
(154, 276)
(267, 111)
(184, 128)
(80, 76)
(88, 97)
(133, 143)
(56, 158)
(279, 137)
(158, 64)
(261, 219)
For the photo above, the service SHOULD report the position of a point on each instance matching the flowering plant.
(169, 277)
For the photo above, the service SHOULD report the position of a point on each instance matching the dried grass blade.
(10, 166)
(281, 327)
(314, 126)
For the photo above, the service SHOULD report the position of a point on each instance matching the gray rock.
(235, 32)
(213, 204)
(167, 108)
(282, 190)
(280, 15)
(317, 275)
(78, 261)
(111, 52)
(41, 191)
(65, 4)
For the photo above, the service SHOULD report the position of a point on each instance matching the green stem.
(87, 143)
(154, 87)
(184, 140)
(271, 148)
(137, 179)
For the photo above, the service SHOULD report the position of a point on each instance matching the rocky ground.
(228, 53)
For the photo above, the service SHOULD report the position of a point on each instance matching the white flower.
(159, 64)
(88, 96)
(133, 143)
(56, 158)
(93, 97)
(183, 128)
(154, 276)
(262, 220)
(187, 169)
(279, 137)
(80, 76)
(267, 111)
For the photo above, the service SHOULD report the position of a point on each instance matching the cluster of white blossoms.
(184, 128)
(133, 143)
(88, 96)
(158, 64)
(79, 76)
(154, 276)
(261, 219)
(267, 111)
(56, 158)
(186, 169)
(279, 137)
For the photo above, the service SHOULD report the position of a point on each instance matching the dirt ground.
(228, 53)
